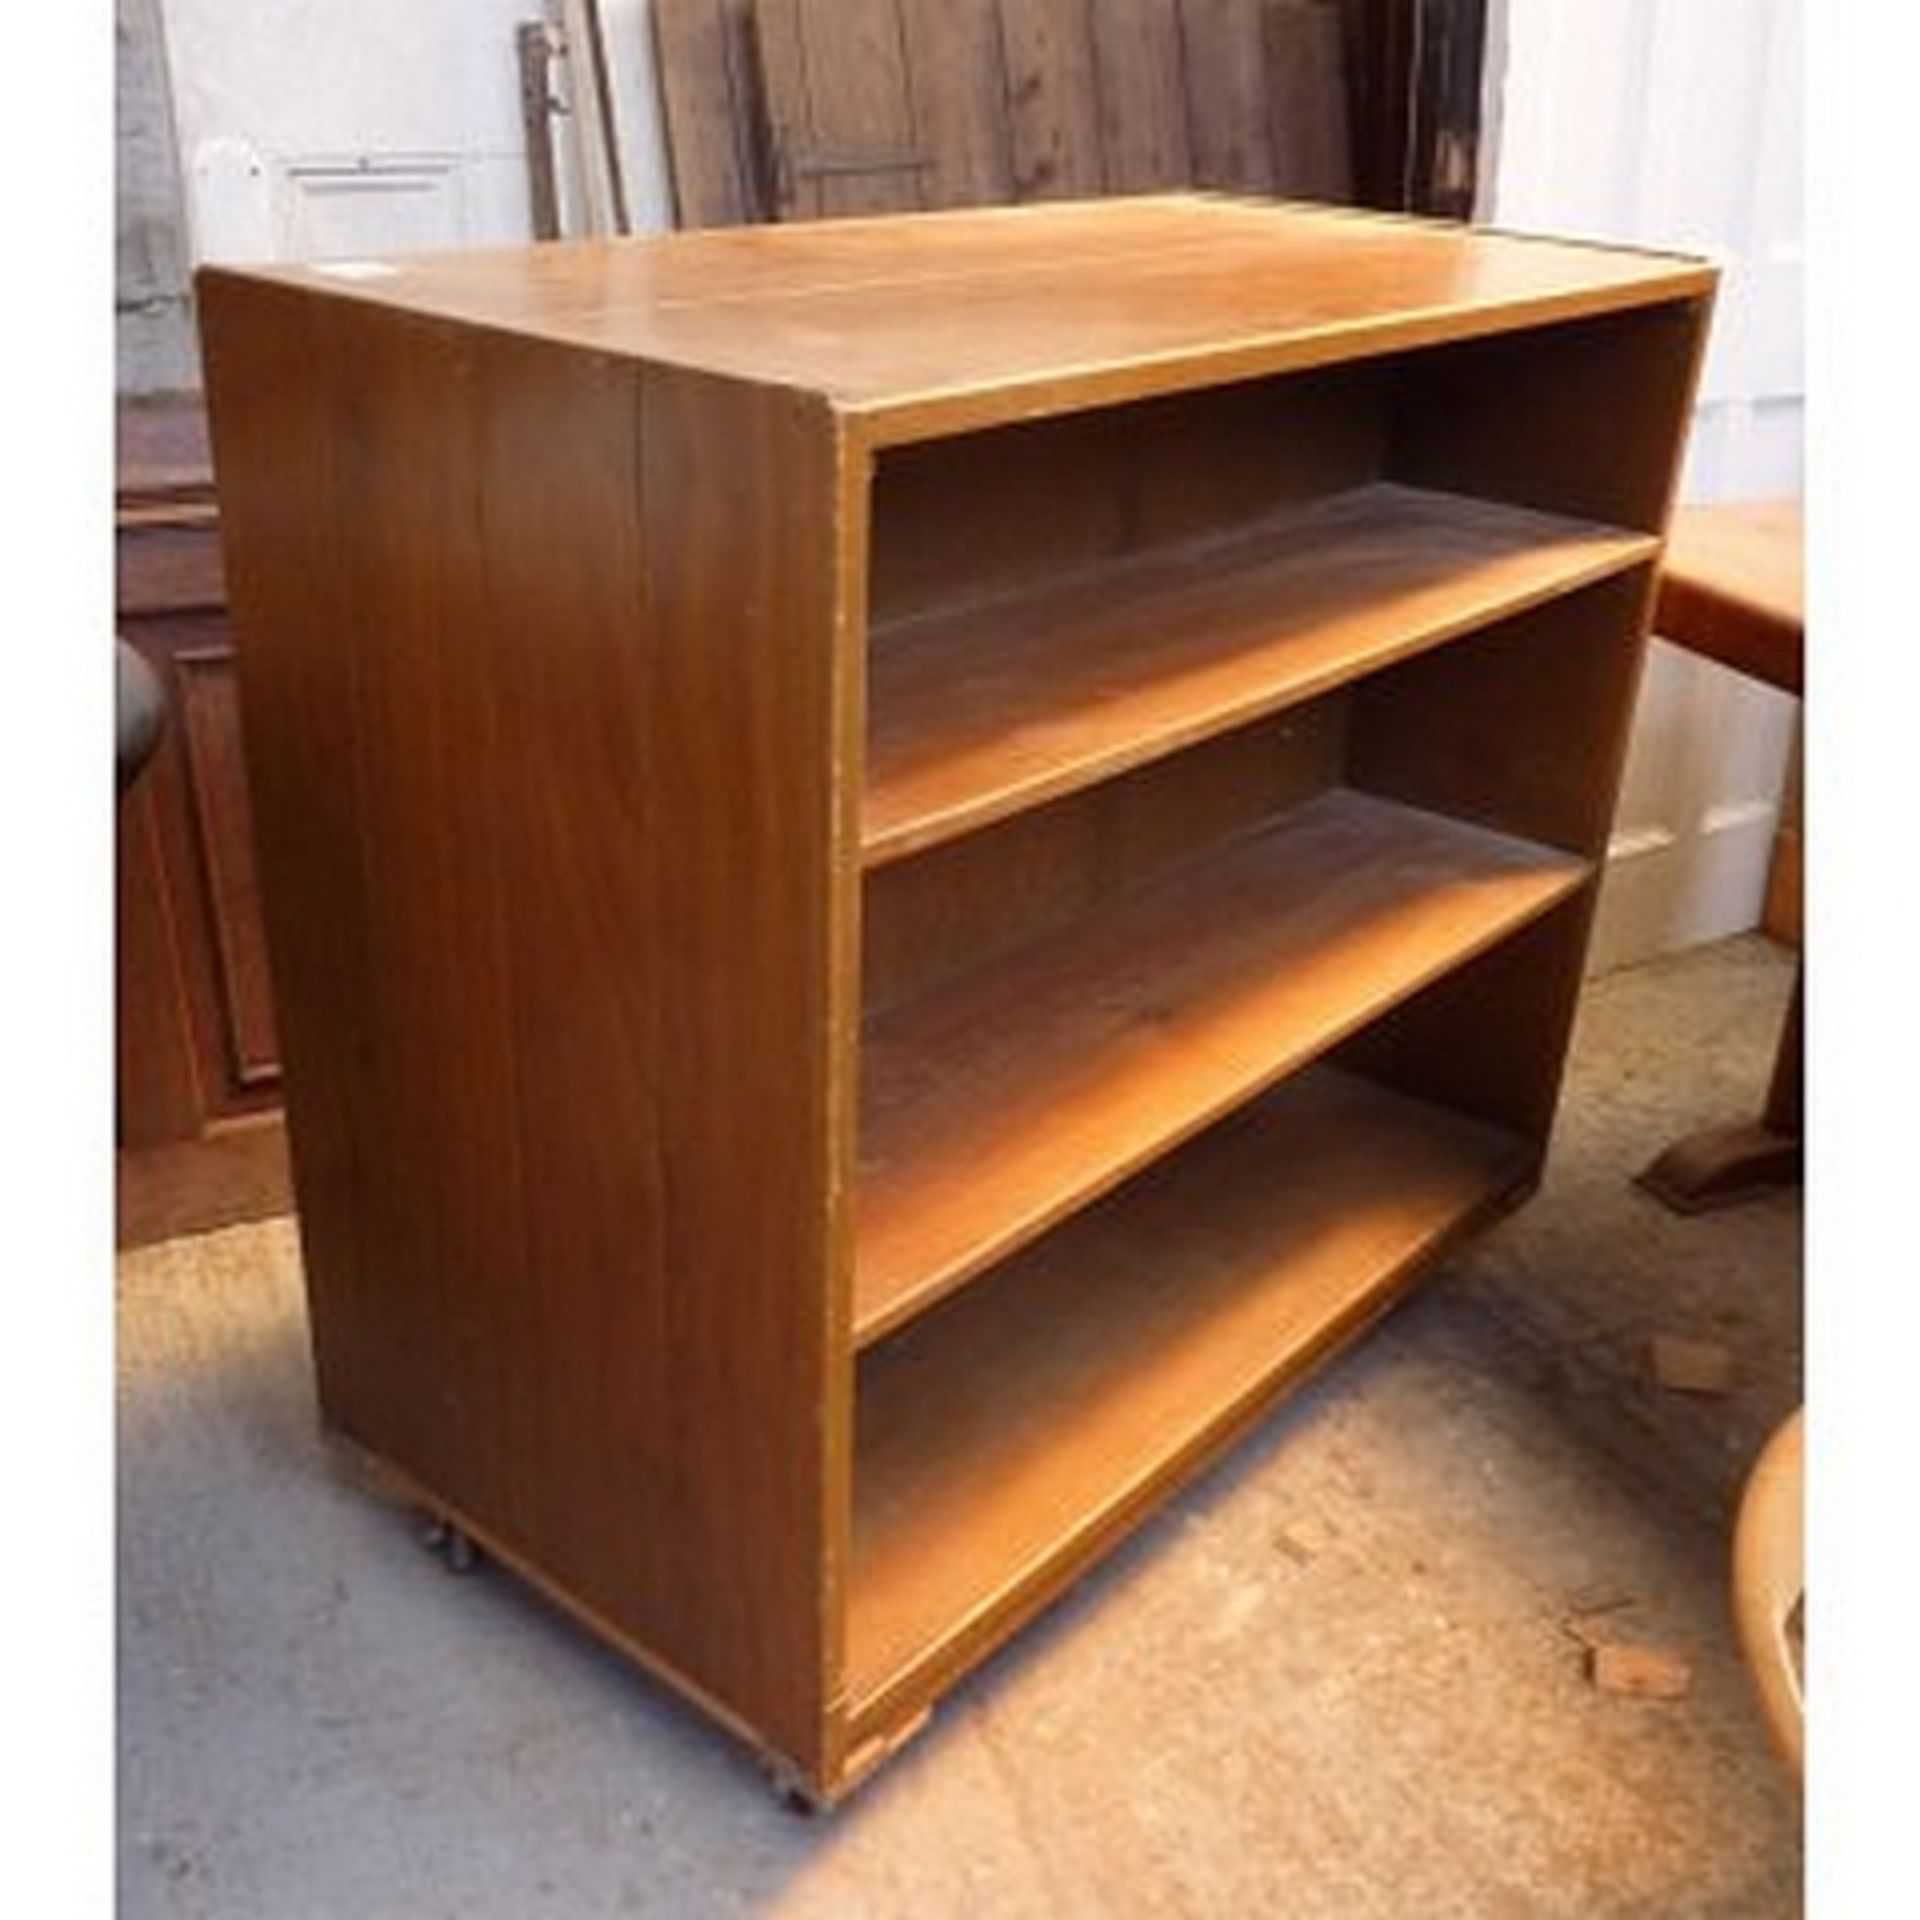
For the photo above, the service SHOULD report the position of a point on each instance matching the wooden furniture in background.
(536, 50)
(1731, 590)
(911, 862)
(1783, 916)
(197, 1060)
(1770, 1584)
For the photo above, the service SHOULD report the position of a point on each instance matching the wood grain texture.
(194, 1038)
(488, 798)
(167, 560)
(1307, 96)
(224, 1175)
(1022, 1427)
(1489, 1038)
(208, 717)
(1732, 589)
(1526, 730)
(1025, 1089)
(708, 60)
(196, 1044)
(1224, 59)
(840, 104)
(779, 29)
(957, 76)
(1140, 74)
(1526, 735)
(965, 319)
(159, 1091)
(798, 109)
(1575, 419)
(1053, 113)
(160, 451)
(1005, 704)
(658, 1157)
(1770, 1584)
(966, 520)
(959, 904)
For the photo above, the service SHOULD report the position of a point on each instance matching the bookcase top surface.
(919, 324)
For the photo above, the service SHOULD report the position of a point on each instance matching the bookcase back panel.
(956, 520)
(957, 905)
(1574, 418)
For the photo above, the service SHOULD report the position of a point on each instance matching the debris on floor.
(1600, 1596)
(1692, 1366)
(1594, 1614)
(1304, 1538)
(1644, 1673)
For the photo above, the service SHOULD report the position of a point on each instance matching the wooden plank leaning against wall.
(798, 109)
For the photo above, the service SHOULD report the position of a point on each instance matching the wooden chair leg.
(1784, 1094)
(1724, 1165)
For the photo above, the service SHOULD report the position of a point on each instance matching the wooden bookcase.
(910, 862)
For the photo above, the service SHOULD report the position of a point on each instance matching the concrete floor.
(1334, 1680)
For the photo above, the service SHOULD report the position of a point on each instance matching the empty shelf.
(997, 1103)
(1009, 1436)
(979, 712)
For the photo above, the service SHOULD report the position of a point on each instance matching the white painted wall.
(318, 128)
(154, 350)
(1677, 123)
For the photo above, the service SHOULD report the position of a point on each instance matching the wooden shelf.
(1005, 1438)
(995, 1105)
(979, 712)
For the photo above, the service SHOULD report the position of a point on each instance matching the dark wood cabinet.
(196, 1058)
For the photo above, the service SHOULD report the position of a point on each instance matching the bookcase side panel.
(1585, 417)
(1527, 726)
(1521, 726)
(1490, 1038)
(539, 709)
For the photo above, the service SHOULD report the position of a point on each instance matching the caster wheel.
(461, 1555)
(456, 1552)
(791, 1792)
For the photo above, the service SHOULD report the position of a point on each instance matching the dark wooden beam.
(1416, 68)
